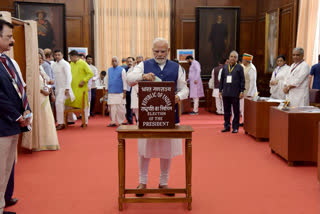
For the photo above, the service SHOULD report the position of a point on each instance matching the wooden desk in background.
(256, 118)
(294, 134)
(131, 132)
(98, 105)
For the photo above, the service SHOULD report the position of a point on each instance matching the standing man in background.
(124, 63)
(214, 84)
(250, 75)
(116, 88)
(130, 65)
(62, 72)
(297, 83)
(231, 90)
(95, 77)
(81, 74)
(196, 87)
(314, 77)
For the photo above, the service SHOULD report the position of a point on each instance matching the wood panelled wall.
(78, 20)
(183, 35)
(252, 28)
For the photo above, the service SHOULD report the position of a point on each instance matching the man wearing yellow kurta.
(81, 74)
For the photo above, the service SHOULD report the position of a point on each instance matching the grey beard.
(160, 61)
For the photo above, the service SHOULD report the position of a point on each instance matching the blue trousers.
(10, 186)
(128, 107)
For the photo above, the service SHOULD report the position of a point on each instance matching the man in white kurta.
(214, 84)
(297, 83)
(196, 87)
(250, 75)
(165, 149)
(278, 78)
(116, 87)
(93, 86)
(63, 79)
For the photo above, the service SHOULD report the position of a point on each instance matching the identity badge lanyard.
(229, 77)
(230, 70)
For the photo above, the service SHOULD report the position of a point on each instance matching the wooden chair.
(104, 102)
(76, 110)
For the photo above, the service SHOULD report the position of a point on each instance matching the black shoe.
(235, 131)
(166, 187)
(225, 130)
(12, 202)
(92, 114)
(71, 123)
(7, 212)
(112, 125)
(141, 186)
(241, 124)
(193, 113)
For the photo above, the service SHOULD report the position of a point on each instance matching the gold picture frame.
(271, 40)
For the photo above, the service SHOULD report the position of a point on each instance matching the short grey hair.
(41, 52)
(301, 51)
(115, 57)
(235, 52)
(159, 39)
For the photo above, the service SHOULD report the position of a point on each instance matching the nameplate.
(156, 105)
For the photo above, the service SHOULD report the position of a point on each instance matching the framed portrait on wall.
(50, 18)
(183, 53)
(271, 40)
(80, 50)
(217, 35)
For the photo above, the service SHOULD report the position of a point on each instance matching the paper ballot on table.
(229, 79)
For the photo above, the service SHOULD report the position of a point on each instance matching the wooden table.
(129, 132)
(256, 116)
(294, 135)
(98, 105)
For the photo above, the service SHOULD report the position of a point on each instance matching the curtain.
(309, 29)
(126, 28)
(32, 80)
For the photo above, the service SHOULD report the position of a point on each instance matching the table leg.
(188, 156)
(121, 171)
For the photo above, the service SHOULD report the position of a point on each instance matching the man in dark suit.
(232, 85)
(130, 65)
(15, 115)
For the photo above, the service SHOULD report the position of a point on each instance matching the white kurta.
(160, 148)
(95, 75)
(251, 81)
(134, 93)
(298, 96)
(215, 91)
(63, 78)
(100, 83)
(117, 98)
(279, 74)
